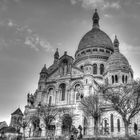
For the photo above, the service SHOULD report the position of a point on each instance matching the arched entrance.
(36, 126)
(50, 126)
(66, 124)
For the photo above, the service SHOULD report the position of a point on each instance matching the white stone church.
(68, 79)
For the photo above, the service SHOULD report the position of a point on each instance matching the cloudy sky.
(31, 30)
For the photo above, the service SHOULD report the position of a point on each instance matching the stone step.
(36, 138)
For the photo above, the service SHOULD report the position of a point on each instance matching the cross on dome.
(95, 19)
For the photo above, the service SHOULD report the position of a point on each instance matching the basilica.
(68, 79)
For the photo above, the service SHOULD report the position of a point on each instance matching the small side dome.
(117, 61)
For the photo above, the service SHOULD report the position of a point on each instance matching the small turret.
(95, 19)
(43, 73)
(44, 70)
(65, 53)
(43, 77)
(56, 56)
(116, 44)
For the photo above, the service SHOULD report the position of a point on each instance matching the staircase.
(36, 138)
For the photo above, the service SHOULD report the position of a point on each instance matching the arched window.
(106, 81)
(64, 66)
(123, 78)
(77, 91)
(85, 124)
(81, 67)
(50, 90)
(101, 69)
(135, 128)
(94, 68)
(132, 75)
(126, 79)
(118, 124)
(116, 78)
(105, 123)
(112, 79)
(77, 87)
(112, 122)
(50, 100)
(63, 90)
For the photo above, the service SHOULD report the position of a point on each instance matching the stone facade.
(67, 80)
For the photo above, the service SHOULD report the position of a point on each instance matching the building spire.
(56, 56)
(116, 44)
(95, 19)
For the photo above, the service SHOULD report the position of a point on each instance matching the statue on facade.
(80, 136)
(30, 100)
(36, 126)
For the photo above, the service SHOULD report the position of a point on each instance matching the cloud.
(92, 4)
(108, 16)
(128, 48)
(14, 34)
(73, 2)
(115, 5)
(4, 4)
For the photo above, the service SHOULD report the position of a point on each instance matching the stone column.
(86, 90)
(43, 133)
(68, 92)
(72, 96)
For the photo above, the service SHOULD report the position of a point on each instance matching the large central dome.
(95, 38)
(94, 43)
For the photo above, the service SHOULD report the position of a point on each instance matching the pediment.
(54, 75)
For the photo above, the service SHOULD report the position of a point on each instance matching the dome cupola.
(95, 43)
(117, 61)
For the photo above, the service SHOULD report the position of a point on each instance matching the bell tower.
(16, 119)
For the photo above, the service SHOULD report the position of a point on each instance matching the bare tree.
(67, 119)
(90, 106)
(24, 124)
(125, 99)
(48, 113)
(35, 120)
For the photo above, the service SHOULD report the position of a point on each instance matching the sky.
(31, 30)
